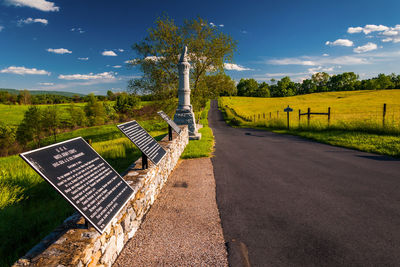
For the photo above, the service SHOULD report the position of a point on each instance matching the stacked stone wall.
(74, 244)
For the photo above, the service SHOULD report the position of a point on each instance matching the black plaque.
(143, 140)
(170, 122)
(83, 178)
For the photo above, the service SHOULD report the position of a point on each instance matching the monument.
(184, 114)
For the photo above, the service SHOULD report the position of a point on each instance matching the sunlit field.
(352, 109)
(357, 119)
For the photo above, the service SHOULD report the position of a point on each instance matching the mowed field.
(346, 107)
(356, 118)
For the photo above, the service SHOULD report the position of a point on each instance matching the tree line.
(319, 82)
(39, 122)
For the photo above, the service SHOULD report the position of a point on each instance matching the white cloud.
(42, 5)
(390, 33)
(31, 20)
(109, 53)
(232, 66)
(340, 42)
(221, 25)
(46, 84)
(77, 30)
(367, 29)
(212, 24)
(354, 29)
(83, 58)
(291, 61)
(23, 71)
(315, 61)
(365, 48)
(90, 76)
(374, 28)
(1, 28)
(243, 31)
(131, 61)
(59, 51)
(325, 55)
(121, 50)
(117, 66)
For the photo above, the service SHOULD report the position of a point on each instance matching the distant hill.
(36, 92)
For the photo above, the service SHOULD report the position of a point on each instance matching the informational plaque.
(83, 178)
(143, 140)
(170, 122)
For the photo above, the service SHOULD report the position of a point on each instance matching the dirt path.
(183, 226)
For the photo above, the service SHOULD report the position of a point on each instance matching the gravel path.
(183, 227)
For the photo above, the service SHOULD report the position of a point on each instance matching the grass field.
(12, 115)
(30, 208)
(346, 107)
(356, 118)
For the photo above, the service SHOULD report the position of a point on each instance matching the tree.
(247, 87)
(24, 97)
(7, 138)
(285, 87)
(220, 84)
(320, 79)
(262, 90)
(158, 55)
(110, 95)
(125, 103)
(31, 127)
(77, 115)
(51, 121)
(383, 81)
(95, 111)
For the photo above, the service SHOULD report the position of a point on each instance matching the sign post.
(171, 124)
(83, 178)
(144, 141)
(287, 110)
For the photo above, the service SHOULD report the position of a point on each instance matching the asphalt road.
(292, 202)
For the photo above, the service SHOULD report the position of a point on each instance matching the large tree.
(158, 54)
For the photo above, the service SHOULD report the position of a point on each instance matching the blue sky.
(82, 46)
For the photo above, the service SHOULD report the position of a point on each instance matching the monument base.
(186, 117)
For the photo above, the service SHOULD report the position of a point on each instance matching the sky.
(83, 46)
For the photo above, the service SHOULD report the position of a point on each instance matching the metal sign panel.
(143, 140)
(288, 109)
(83, 178)
(170, 122)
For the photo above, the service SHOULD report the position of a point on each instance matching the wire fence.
(378, 117)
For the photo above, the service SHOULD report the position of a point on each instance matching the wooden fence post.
(263, 115)
(308, 117)
(384, 115)
(329, 116)
(277, 114)
(299, 116)
(270, 115)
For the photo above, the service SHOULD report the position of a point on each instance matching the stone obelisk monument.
(184, 114)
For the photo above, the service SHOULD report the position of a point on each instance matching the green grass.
(30, 208)
(12, 115)
(356, 120)
(204, 146)
(369, 142)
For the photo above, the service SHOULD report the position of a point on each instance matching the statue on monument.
(184, 114)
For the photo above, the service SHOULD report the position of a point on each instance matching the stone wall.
(74, 244)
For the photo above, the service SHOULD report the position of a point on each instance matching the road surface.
(287, 201)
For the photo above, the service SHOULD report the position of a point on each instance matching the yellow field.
(346, 108)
